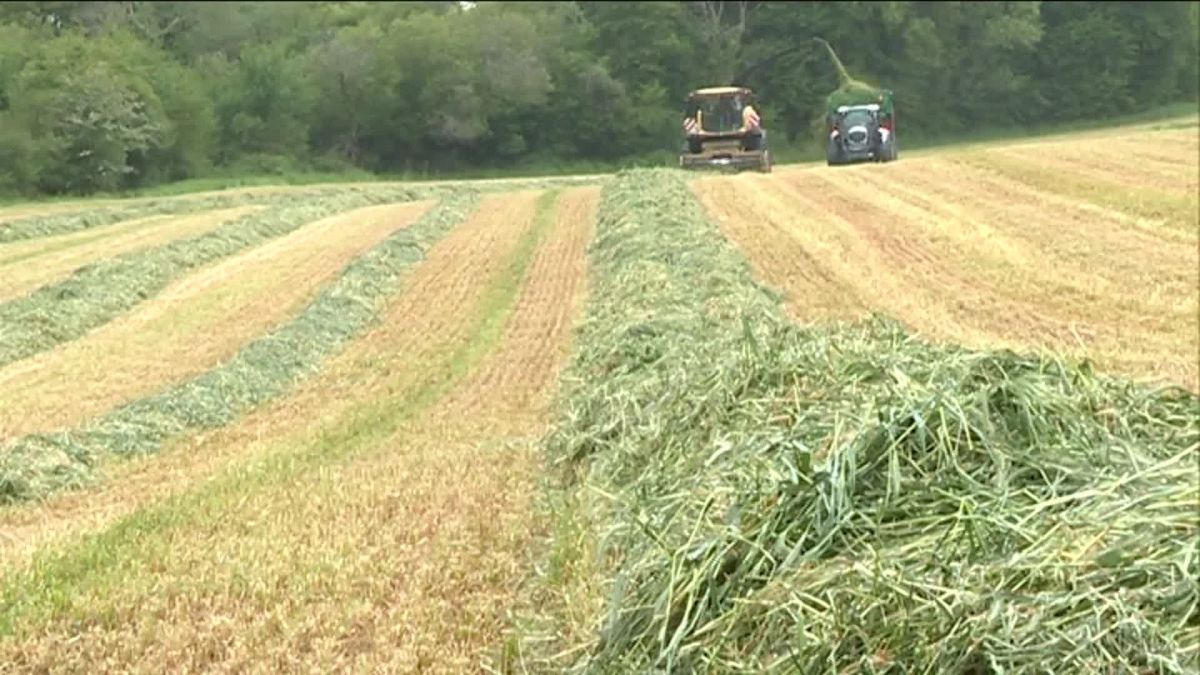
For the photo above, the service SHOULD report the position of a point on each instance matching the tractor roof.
(721, 91)
(873, 107)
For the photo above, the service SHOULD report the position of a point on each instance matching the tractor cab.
(717, 111)
(723, 129)
(862, 132)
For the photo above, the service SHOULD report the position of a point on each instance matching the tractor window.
(854, 118)
(720, 114)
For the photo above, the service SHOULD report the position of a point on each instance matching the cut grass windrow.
(253, 545)
(96, 293)
(35, 465)
(766, 497)
(66, 218)
(193, 325)
(26, 266)
(86, 217)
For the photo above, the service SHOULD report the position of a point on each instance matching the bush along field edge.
(38, 465)
(730, 492)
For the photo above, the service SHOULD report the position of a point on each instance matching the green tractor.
(861, 127)
(860, 120)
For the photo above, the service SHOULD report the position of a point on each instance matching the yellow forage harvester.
(723, 130)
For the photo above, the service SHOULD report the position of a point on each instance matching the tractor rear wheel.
(764, 162)
(833, 154)
(755, 140)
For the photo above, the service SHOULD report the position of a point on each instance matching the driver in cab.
(750, 118)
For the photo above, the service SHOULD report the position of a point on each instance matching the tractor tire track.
(1148, 303)
(1168, 216)
(931, 295)
(1109, 169)
(1002, 246)
(494, 420)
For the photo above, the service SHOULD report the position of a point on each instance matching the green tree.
(264, 105)
(190, 131)
(1086, 62)
(117, 94)
(1163, 36)
(348, 77)
(97, 123)
(87, 112)
(16, 44)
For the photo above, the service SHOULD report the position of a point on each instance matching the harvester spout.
(843, 76)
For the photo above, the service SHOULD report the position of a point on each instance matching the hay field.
(556, 425)
(1085, 247)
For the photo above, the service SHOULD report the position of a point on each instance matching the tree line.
(104, 96)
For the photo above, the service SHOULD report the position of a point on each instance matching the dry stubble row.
(966, 255)
(407, 554)
(191, 326)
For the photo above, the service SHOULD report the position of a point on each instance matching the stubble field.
(794, 422)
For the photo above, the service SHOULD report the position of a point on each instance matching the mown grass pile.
(775, 498)
(37, 465)
(96, 293)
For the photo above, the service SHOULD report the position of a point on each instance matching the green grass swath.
(777, 498)
(96, 293)
(87, 217)
(36, 465)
